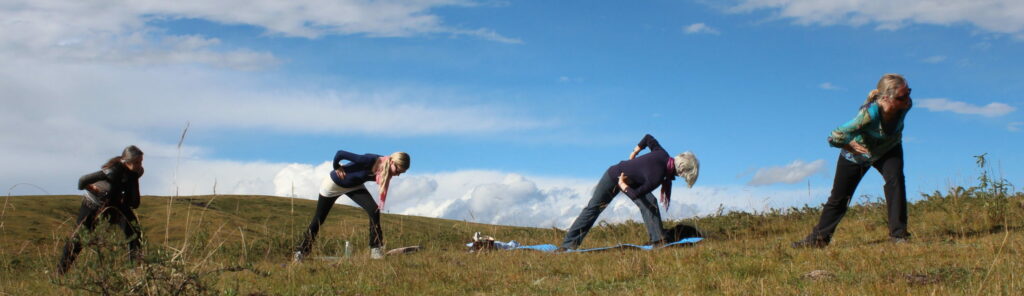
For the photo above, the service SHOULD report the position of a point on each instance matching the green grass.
(967, 241)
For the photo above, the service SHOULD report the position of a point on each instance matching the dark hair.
(130, 153)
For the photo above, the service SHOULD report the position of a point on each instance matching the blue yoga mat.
(551, 248)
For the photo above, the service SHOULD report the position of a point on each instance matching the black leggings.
(848, 175)
(119, 214)
(363, 198)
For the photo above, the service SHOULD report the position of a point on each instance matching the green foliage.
(983, 208)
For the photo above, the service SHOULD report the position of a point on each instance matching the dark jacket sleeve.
(649, 142)
(343, 155)
(90, 178)
(132, 196)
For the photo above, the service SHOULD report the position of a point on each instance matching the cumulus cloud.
(999, 16)
(994, 109)
(792, 173)
(513, 199)
(81, 80)
(158, 97)
(124, 32)
(483, 196)
(62, 120)
(700, 28)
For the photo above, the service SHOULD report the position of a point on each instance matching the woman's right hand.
(623, 182)
(341, 173)
(856, 148)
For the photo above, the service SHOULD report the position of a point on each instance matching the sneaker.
(377, 253)
(562, 250)
(810, 243)
(298, 256)
(899, 240)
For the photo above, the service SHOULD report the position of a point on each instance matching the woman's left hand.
(623, 182)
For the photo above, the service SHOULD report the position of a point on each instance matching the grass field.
(966, 241)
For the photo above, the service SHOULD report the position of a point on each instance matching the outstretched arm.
(85, 182)
(647, 142)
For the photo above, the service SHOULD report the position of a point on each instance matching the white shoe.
(377, 253)
(298, 256)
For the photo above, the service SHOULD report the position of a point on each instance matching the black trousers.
(848, 175)
(119, 214)
(363, 198)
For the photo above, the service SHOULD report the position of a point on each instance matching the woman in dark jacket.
(636, 178)
(112, 192)
(348, 180)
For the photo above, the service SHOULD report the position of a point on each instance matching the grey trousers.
(605, 190)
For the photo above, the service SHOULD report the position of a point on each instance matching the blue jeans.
(605, 190)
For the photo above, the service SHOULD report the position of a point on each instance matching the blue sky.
(499, 96)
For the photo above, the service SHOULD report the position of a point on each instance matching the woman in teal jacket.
(874, 138)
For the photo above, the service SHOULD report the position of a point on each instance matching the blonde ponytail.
(399, 159)
(872, 97)
(886, 87)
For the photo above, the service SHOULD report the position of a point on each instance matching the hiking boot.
(810, 243)
(298, 257)
(377, 253)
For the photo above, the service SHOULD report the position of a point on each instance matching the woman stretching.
(348, 179)
(872, 139)
(637, 178)
(112, 192)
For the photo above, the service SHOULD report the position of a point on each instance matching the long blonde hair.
(399, 159)
(887, 86)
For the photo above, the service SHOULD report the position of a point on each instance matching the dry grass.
(966, 242)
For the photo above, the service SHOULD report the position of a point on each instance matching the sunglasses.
(907, 96)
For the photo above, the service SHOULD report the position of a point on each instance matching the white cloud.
(792, 173)
(828, 86)
(1014, 126)
(512, 199)
(123, 31)
(1000, 16)
(473, 195)
(60, 121)
(162, 97)
(934, 59)
(700, 28)
(994, 109)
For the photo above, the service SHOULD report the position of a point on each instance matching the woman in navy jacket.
(348, 179)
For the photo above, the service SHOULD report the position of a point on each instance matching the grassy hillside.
(967, 241)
